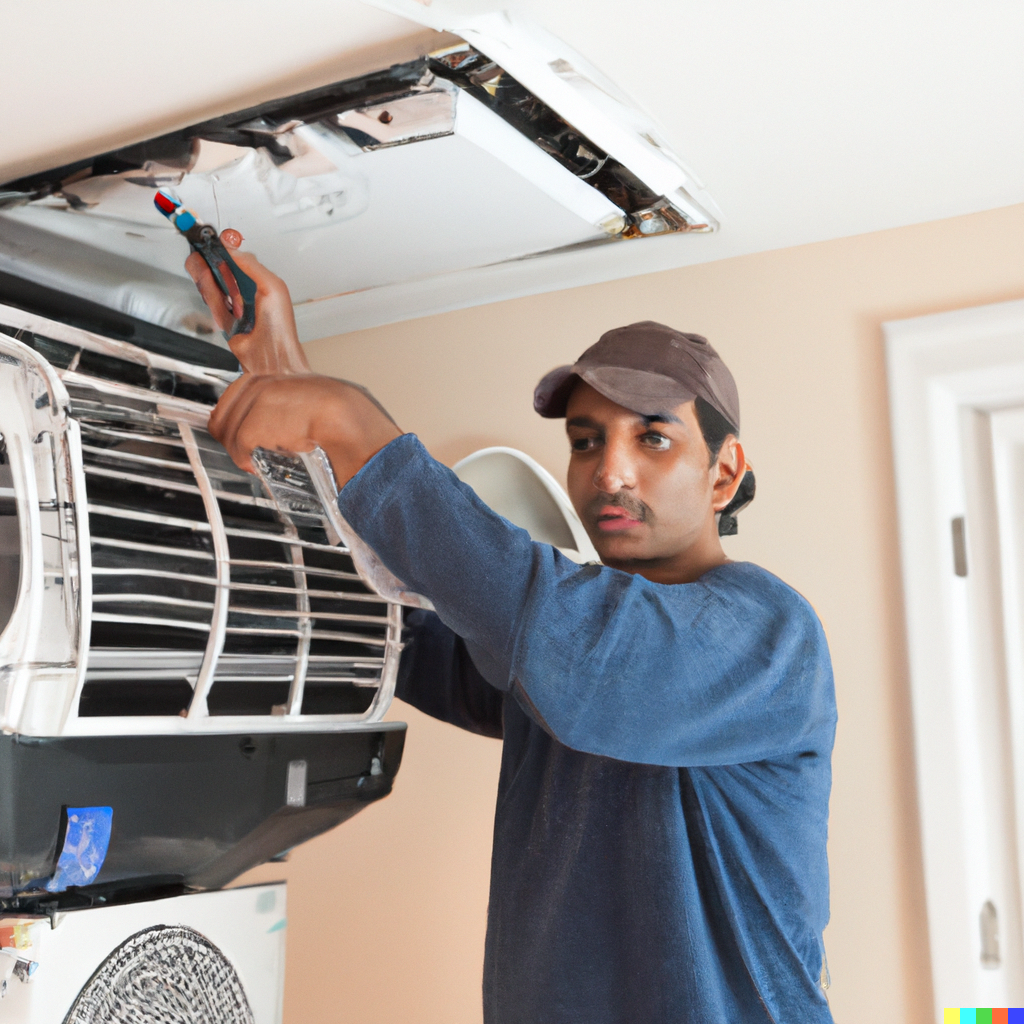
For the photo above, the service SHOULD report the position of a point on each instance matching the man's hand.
(278, 403)
(273, 344)
(292, 413)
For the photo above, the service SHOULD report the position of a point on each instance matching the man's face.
(642, 484)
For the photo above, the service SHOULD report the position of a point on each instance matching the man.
(667, 717)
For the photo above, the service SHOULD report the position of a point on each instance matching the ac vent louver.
(213, 597)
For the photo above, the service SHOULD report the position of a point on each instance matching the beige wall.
(387, 913)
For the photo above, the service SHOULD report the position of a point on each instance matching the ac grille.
(214, 591)
(79, 358)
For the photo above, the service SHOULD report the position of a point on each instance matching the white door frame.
(947, 374)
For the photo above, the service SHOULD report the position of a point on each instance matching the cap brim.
(551, 396)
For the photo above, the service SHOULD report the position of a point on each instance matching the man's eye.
(582, 444)
(652, 439)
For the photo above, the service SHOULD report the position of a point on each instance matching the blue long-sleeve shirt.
(659, 840)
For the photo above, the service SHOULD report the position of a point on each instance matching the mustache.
(629, 503)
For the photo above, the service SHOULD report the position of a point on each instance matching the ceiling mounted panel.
(423, 171)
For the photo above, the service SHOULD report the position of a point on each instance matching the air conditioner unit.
(183, 644)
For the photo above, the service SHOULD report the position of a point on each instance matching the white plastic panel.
(518, 488)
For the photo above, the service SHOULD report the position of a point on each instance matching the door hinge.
(959, 546)
(989, 921)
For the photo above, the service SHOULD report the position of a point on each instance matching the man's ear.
(727, 472)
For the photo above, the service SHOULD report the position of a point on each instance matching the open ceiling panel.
(426, 169)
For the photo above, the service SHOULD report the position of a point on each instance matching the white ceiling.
(804, 120)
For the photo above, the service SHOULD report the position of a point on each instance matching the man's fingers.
(229, 414)
(223, 407)
(225, 308)
(253, 412)
(292, 413)
(266, 281)
(272, 346)
(232, 239)
(215, 299)
(234, 296)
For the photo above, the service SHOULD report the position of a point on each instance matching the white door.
(1007, 432)
(957, 400)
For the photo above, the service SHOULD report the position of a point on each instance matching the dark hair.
(716, 428)
(727, 525)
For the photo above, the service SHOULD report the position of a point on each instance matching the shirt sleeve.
(437, 675)
(730, 669)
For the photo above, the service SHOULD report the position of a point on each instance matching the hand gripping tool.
(204, 240)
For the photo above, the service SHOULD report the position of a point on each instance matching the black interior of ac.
(111, 323)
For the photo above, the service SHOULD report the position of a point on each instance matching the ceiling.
(804, 121)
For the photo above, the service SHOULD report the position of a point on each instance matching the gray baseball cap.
(648, 368)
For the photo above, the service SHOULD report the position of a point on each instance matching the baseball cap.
(648, 368)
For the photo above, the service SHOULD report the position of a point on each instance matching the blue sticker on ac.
(85, 847)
